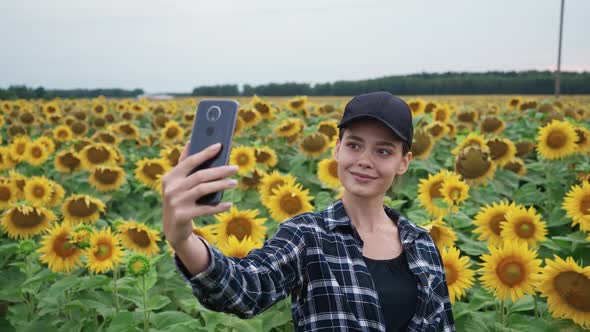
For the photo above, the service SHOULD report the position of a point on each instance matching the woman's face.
(369, 158)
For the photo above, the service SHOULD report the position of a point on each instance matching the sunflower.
(50, 109)
(106, 137)
(252, 181)
(266, 156)
(556, 140)
(18, 147)
(583, 139)
(97, 154)
(458, 274)
(515, 165)
(150, 171)
(82, 209)
(577, 205)
(437, 130)
(288, 128)
(138, 265)
(471, 139)
(172, 154)
(38, 190)
(58, 250)
(314, 145)
(67, 161)
(6, 161)
(501, 150)
(8, 193)
(510, 271)
(127, 129)
(523, 148)
(249, 116)
(297, 104)
(239, 126)
(422, 145)
(107, 178)
(474, 165)
(240, 249)
(244, 157)
(523, 225)
(171, 133)
(62, 133)
(289, 200)
(105, 251)
(206, 232)
(467, 116)
(489, 222)
(514, 102)
(239, 223)
(138, 237)
(20, 181)
(47, 142)
(454, 191)
(442, 235)
(270, 182)
(36, 153)
(328, 173)
(416, 106)
(441, 114)
(492, 125)
(24, 221)
(566, 286)
(329, 128)
(429, 190)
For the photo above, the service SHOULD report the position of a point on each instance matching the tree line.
(493, 82)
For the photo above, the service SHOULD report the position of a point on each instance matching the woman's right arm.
(244, 286)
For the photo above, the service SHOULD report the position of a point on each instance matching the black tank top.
(397, 289)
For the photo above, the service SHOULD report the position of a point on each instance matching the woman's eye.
(384, 152)
(352, 145)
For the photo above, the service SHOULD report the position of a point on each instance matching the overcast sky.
(176, 45)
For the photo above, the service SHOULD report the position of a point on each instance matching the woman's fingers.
(190, 162)
(184, 152)
(206, 188)
(204, 210)
(210, 174)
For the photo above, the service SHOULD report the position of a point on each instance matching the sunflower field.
(502, 183)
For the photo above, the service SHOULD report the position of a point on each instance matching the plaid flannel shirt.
(317, 259)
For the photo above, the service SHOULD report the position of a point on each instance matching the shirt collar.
(335, 217)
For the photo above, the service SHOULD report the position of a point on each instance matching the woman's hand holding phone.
(180, 192)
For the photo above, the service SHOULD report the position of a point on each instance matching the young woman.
(356, 266)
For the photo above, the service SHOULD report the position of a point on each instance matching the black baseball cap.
(384, 107)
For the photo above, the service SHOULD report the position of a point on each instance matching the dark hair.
(405, 147)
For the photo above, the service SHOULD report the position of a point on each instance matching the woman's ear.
(404, 164)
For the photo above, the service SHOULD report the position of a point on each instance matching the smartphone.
(214, 122)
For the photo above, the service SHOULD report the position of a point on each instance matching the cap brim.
(365, 116)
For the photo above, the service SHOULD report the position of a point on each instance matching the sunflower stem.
(145, 313)
(115, 293)
(502, 318)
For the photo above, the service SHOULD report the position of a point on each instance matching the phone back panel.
(207, 131)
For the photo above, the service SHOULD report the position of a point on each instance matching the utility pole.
(557, 81)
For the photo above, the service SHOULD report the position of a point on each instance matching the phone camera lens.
(213, 113)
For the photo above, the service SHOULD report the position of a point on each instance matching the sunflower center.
(262, 108)
(525, 229)
(36, 152)
(20, 148)
(436, 130)
(574, 288)
(69, 160)
(172, 132)
(440, 115)
(248, 116)
(27, 118)
(239, 227)
(5, 194)
(585, 205)
(556, 139)
(98, 155)
(242, 159)
(498, 149)
(513, 166)
(262, 156)
(287, 127)
(328, 130)
(153, 170)
(296, 104)
(62, 133)
(107, 138)
(253, 181)
(466, 117)
(139, 237)
(78, 127)
(435, 189)
(314, 142)
(79, 208)
(472, 163)
(333, 168)
(103, 251)
(62, 246)
(290, 203)
(106, 176)
(490, 125)
(29, 220)
(39, 191)
(127, 129)
(495, 223)
(510, 272)
(451, 274)
(455, 194)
